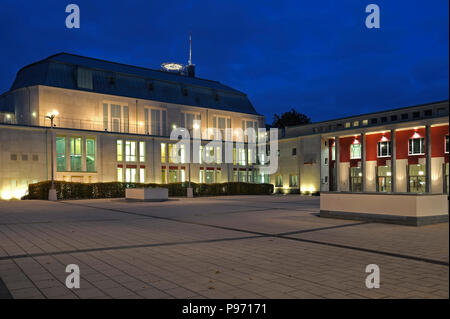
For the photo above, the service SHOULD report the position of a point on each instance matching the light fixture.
(33, 114)
(196, 126)
(174, 126)
(388, 174)
(421, 173)
(8, 116)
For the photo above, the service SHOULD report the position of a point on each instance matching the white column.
(393, 162)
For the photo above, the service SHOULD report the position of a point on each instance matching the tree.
(290, 118)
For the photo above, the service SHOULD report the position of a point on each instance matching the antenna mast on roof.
(190, 49)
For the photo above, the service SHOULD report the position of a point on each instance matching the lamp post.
(52, 193)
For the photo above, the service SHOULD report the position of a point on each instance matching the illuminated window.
(141, 175)
(200, 155)
(355, 151)
(202, 175)
(141, 151)
(347, 125)
(356, 123)
(279, 181)
(119, 150)
(293, 180)
(163, 152)
(163, 175)
(446, 144)
(234, 156)
(242, 159)
(365, 122)
(75, 154)
(249, 176)
(218, 176)
(218, 155)
(130, 151)
(90, 154)
(119, 174)
(130, 175)
(416, 146)
(384, 149)
(60, 154)
(173, 175)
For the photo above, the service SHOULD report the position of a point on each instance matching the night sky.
(315, 56)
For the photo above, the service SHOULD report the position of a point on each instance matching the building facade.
(401, 150)
(113, 124)
(114, 121)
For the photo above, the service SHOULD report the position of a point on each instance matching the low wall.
(399, 208)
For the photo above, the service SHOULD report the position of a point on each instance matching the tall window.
(242, 159)
(221, 123)
(130, 175)
(384, 149)
(156, 122)
(141, 151)
(163, 152)
(130, 151)
(293, 180)
(119, 174)
(173, 175)
(115, 118)
(279, 181)
(446, 144)
(105, 116)
(218, 176)
(90, 154)
(187, 120)
(119, 150)
(416, 146)
(218, 155)
(75, 154)
(355, 151)
(126, 119)
(60, 154)
(141, 175)
(163, 175)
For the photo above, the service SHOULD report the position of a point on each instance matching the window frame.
(351, 151)
(389, 149)
(421, 146)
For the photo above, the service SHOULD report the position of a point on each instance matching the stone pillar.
(393, 162)
(336, 162)
(363, 161)
(428, 158)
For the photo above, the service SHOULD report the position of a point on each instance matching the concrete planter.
(147, 194)
(398, 208)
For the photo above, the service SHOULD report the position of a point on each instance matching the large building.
(114, 122)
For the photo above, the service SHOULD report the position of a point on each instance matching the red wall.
(438, 134)
(344, 148)
(372, 145)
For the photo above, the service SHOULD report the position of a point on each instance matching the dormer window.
(112, 80)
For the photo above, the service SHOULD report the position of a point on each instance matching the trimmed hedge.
(70, 190)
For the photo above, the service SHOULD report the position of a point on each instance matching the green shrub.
(71, 190)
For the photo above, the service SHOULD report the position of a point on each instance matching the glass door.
(384, 179)
(355, 179)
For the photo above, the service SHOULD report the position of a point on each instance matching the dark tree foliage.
(290, 118)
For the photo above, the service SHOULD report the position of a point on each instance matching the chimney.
(190, 70)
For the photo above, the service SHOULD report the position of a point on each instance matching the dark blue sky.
(315, 56)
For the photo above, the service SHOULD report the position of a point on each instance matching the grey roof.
(59, 70)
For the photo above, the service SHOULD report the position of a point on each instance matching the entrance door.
(384, 179)
(355, 179)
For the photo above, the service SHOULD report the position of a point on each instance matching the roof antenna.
(190, 49)
(190, 67)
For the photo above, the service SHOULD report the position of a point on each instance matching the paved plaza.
(217, 247)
